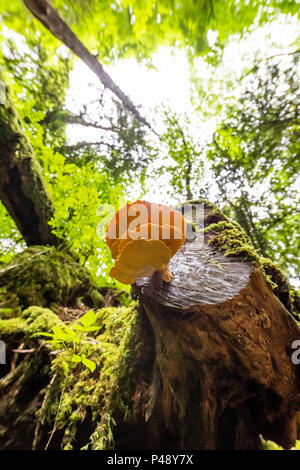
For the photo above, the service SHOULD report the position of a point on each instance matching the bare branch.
(84, 144)
(78, 120)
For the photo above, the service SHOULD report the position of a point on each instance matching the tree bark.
(223, 345)
(22, 189)
(225, 369)
(209, 365)
(49, 17)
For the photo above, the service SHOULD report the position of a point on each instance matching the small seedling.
(72, 337)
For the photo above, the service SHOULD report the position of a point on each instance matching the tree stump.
(204, 362)
(223, 373)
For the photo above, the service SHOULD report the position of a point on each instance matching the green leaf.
(85, 328)
(78, 327)
(63, 334)
(88, 318)
(76, 358)
(48, 335)
(92, 328)
(88, 363)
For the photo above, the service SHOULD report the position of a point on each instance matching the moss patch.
(211, 213)
(33, 320)
(12, 327)
(74, 392)
(105, 394)
(229, 237)
(39, 320)
(44, 275)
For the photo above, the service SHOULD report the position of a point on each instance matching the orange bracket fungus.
(143, 237)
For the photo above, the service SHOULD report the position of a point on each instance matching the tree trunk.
(223, 351)
(22, 189)
(207, 362)
(223, 345)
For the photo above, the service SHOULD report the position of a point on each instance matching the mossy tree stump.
(204, 362)
(223, 372)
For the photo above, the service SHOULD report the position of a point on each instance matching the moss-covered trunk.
(22, 189)
(201, 363)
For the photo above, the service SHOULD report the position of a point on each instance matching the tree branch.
(49, 17)
(69, 119)
(83, 144)
(77, 120)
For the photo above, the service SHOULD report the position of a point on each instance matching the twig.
(23, 351)
(54, 427)
(39, 422)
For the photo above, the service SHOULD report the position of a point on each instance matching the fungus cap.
(144, 243)
(170, 235)
(156, 214)
(140, 258)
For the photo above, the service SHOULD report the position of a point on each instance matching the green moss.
(39, 320)
(229, 236)
(270, 445)
(12, 327)
(208, 204)
(44, 275)
(211, 214)
(106, 392)
(32, 321)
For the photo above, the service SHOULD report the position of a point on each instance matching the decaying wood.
(223, 351)
(201, 276)
(210, 364)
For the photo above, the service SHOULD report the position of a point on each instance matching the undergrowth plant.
(72, 337)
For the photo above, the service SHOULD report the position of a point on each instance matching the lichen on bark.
(22, 188)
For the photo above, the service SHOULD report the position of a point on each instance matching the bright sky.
(169, 83)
